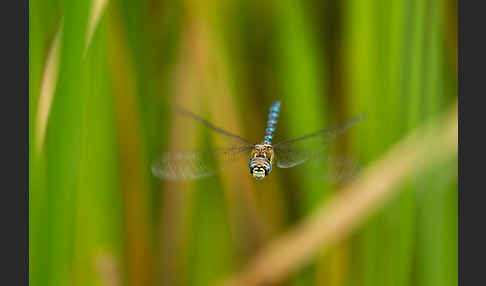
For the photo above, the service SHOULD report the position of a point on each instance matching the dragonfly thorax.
(261, 160)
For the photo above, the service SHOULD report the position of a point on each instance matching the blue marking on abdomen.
(271, 122)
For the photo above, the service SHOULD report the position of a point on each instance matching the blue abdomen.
(271, 122)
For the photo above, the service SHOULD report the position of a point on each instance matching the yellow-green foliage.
(98, 217)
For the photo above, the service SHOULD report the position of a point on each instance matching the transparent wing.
(341, 169)
(288, 157)
(197, 164)
(295, 151)
(211, 126)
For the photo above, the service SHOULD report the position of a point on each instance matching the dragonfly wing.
(211, 126)
(340, 169)
(288, 157)
(295, 151)
(195, 165)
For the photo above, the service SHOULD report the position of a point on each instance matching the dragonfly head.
(258, 173)
(261, 161)
(259, 167)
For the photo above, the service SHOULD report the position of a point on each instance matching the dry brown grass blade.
(47, 89)
(108, 269)
(134, 182)
(353, 204)
(248, 227)
(175, 201)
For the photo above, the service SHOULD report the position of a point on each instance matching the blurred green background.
(98, 217)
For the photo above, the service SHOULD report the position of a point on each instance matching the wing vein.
(331, 131)
(210, 125)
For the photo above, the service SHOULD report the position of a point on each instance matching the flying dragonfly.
(262, 156)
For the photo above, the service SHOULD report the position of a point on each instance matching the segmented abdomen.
(271, 122)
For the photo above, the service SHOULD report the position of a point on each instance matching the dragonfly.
(262, 156)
